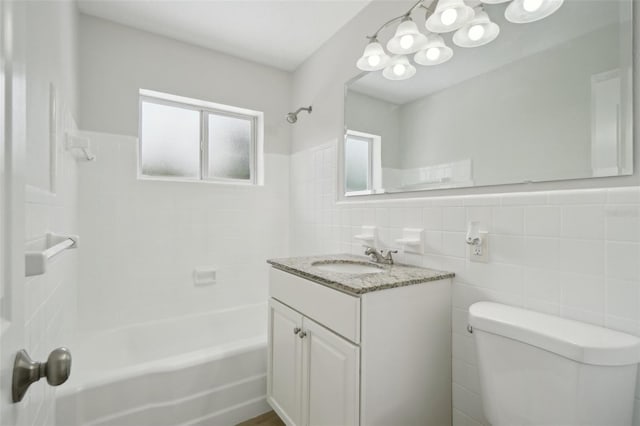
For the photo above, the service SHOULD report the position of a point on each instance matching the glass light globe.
(476, 32)
(374, 60)
(399, 69)
(449, 16)
(531, 5)
(406, 41)
(433, 53)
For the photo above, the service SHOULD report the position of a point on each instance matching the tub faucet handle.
(296, 330)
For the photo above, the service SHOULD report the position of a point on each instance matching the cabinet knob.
(302, 334)
(296, 330)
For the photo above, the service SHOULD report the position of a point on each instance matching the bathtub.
(205, 369)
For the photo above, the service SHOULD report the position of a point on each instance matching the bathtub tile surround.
(570, 253)
(394, 276)
(143, 239)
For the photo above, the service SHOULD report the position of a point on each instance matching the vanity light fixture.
(448, 16)
(478, 32)
(467, 17)
(399, 69)
(525, 11)
(408, 39)
(374, 57)
(435, 52)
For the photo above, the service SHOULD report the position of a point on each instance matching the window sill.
(365, 192)
(228, 183)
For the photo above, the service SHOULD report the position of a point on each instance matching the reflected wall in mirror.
(550, 100)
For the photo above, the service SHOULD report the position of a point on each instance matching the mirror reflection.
(549, 100)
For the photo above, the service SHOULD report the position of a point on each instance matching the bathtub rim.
(165, 365)
(93, 378)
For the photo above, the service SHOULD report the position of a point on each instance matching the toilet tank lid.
(581, 342)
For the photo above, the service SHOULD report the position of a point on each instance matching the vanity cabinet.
(378, 358)
(314, 372)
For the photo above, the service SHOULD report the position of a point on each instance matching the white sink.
(348, 267)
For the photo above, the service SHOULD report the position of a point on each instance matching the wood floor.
(266, 419)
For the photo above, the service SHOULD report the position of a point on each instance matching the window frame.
(205, 109)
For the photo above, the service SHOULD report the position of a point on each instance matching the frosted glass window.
(357, 163)
(230, 140)
(190, 139)
(170, 141)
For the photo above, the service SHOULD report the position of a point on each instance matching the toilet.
(538, 369)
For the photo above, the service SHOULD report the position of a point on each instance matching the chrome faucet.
(379, 256)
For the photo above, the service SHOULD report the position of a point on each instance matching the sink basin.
(348, 267)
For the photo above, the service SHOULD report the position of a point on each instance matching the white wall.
(116, 61)
(144, 238)
(50, 299)
(554, 248)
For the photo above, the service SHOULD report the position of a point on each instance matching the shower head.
(292, 117)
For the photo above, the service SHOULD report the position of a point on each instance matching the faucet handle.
(388, 257)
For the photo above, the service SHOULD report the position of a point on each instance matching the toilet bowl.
(538, 369)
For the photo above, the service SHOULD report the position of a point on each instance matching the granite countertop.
(393, 276)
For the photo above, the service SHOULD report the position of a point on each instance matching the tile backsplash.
(570, 253)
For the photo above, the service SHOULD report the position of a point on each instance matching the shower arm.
(420, 3)
(308, 109)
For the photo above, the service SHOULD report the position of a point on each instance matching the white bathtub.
(205, 369)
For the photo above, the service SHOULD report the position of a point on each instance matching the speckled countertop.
(393, 275)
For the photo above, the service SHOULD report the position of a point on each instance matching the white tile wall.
(50, 299)
(570, 253)
(142, 240)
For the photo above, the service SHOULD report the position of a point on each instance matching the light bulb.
(399, 69)
(374, 60)
(476, 32)
(531, 5)
(449, 16)
(433, 53)
(406, 41)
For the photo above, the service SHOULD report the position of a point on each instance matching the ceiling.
(516, 41)
(281, 34)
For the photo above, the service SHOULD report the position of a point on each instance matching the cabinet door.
(284, 380)
(331, 370)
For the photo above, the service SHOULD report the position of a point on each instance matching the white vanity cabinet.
(379, 358)
(314, 372)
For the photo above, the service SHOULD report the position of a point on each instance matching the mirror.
(549, 100)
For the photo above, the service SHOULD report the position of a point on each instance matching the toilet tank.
(538, 369)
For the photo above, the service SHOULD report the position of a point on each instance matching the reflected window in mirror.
(362, 163)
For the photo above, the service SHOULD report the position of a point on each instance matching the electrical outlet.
(480, 252)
